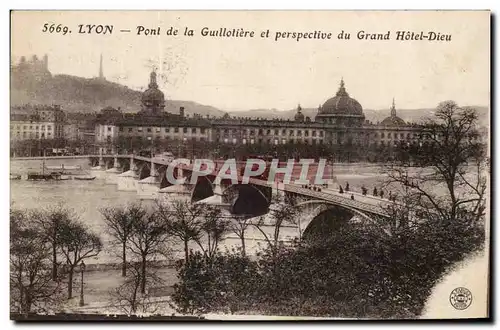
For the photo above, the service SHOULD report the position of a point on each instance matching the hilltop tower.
(101, 73)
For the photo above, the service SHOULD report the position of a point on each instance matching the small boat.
(15, 177)
(34, 176)
(64, 177)
(84, 177)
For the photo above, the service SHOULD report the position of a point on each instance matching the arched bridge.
(256, 189)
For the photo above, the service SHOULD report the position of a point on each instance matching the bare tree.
(452, 158)
(77, 243)
(239, 225)
(184, 221)
(128, 297)
(147, 240)
(50, 222)
(282, 211)
(120, 224)
(30, 268)
(214, 227)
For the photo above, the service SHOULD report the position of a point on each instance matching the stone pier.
(127, 181)
(99, 170)
(216, 199)
(112, 173)
(180, 192)
(148, 188)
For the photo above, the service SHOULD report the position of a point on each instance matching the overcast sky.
(240, 74)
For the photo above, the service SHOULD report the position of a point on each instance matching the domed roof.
(341, 104)
(393, 119)
(153, 94)
(299, 116)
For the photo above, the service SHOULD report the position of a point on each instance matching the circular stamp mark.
(461, 298)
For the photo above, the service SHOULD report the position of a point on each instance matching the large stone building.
(34, 122)
(340, 120)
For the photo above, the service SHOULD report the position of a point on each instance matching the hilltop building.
(33, 68)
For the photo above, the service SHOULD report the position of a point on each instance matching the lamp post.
(184, 147)
(82, 269)
(150, 146)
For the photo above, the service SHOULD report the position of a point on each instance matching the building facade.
(36, 122)
(339, 121)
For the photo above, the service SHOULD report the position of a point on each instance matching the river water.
(87, 198)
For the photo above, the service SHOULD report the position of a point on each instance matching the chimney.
(181, 112)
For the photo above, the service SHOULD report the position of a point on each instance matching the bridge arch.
(322, 216)
(144, 170)
(247, 199)
(203, 188)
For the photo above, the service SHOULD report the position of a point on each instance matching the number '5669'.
(55, 28)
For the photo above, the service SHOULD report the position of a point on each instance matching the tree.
(51, 222)
(214, 227)
(147, 240)
(239, 225)
(120, 223)
(281, 212)
(128, 297)
(77, 243)
(183, 221)
(454, 162)
(30, 268)
(229, 282)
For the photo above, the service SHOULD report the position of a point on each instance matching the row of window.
(30, 127)
(284, 132)
(193, 130)
(260, 131)
(157, 138)
(268, 141)
(31, 135)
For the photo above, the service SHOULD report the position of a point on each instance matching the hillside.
(76, 94)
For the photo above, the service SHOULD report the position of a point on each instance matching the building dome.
(299, 116)
(393, 119)
(341, 110)
(341, 104)
(153, 99)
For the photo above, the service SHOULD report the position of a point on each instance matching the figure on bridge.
(375, 192)
(341, 190)
(352, 196)
(347, 186)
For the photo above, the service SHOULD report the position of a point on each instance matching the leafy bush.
(351, 272)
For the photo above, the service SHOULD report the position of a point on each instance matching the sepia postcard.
(249, 165)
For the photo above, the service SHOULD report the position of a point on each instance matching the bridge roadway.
(364, 203)
(374, 207)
